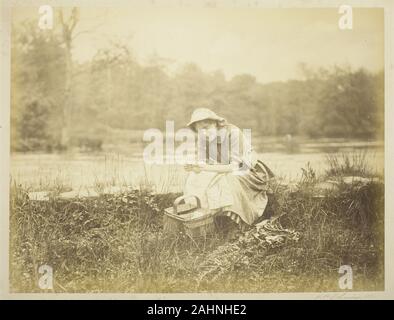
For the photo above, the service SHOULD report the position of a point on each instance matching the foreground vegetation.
(115, 243)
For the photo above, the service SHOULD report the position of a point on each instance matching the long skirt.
(243, 198)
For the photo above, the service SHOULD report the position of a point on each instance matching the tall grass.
(349, 164)
(115, 243)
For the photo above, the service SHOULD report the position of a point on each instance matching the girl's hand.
(196, 168)
(193, 167)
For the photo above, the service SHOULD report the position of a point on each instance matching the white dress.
(241, 197)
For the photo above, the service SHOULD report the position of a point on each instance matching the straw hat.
(204, 114)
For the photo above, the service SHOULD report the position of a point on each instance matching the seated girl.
(228, 177)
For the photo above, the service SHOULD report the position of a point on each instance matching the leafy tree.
(52, 94)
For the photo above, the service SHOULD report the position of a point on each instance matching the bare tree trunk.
(67, 32)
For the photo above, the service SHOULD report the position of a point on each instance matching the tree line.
(56, 100)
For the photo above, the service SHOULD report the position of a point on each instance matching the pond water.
(43, 171)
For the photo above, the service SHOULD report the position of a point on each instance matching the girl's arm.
(237, 156)
(238, 159)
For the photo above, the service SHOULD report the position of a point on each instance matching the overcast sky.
(267, 43)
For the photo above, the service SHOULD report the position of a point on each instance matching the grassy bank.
(115, 243)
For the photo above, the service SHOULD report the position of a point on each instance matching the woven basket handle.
(182, 198)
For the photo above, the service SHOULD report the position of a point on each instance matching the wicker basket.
(194, 221)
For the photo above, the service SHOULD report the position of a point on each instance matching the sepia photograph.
(196, 147)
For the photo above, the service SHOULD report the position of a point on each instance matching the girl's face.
(205, 125)
(206, 128)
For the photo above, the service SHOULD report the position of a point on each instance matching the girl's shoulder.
(229, 127)
(233, 133)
